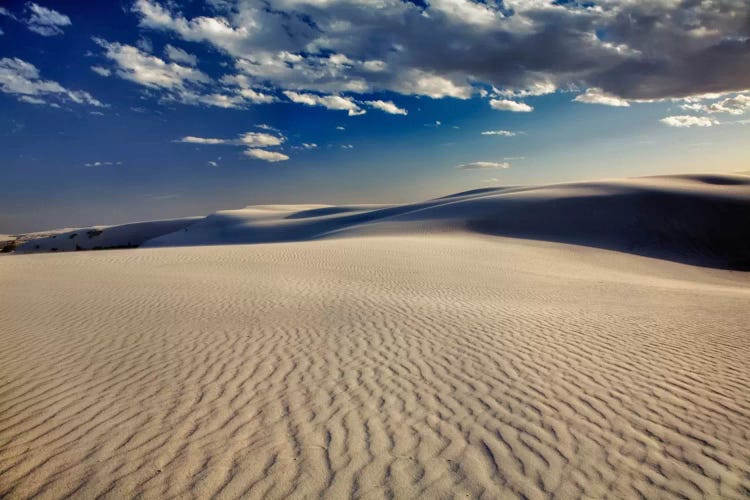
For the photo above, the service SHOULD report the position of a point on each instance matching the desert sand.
(580, 340)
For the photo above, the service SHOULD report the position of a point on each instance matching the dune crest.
(695, 219)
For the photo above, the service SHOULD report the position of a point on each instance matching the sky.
(114, 112)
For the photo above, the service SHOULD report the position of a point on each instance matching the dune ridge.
(694, 219)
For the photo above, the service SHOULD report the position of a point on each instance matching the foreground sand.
(434, 366)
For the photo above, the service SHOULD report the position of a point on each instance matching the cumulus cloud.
(503, 133)
(137, 66)
(182, 83)
(387, 107)
(22, 79)
(269, 156)
(178, 55)
(327, 101)
(484, 165)
(252, 141)
(507, 105)
(689, 121)
(261, 139)
(522, 47)
(189, 139)
(735, 105)
(598, 96)
(44, 21)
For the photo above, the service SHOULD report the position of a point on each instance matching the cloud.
(483, 165)
(212, 163)
(327, 101)
(386, 106)
(101, 71)
(260, 139)
(185, 84)
(45, 22)
(180, 56)
(189, 139)
(688, 121)
(269, 156)
(309, 145)
(628, 50)
(150, 71)
(507, 105)
(22, 79)
(503, 133)
(339, 127)
(735, 105)
(102, 163)
(598, 96)
(252, 141)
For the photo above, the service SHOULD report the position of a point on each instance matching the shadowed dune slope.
(697, 219)
(103, 237)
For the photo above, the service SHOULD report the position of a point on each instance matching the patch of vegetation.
(94, 232)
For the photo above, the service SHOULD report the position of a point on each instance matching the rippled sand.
(432, 366)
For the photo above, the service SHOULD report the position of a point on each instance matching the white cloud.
(101, 71)
(269, 156)
(689, 121)
(309, 145)
(178, 55)
(484, 165)
(598, 96)
(45, 22)
(347, 146)
(21, 78)
(327, 101)
(504, 133)
(212, 163)
(260, 139)
(507, 105)
(253, 141)
(102, 163)
(150, 71)
(339, 127)
(735, 105)
(386, 106)
(203, 140)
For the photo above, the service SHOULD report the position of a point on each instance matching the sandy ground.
(431, 366)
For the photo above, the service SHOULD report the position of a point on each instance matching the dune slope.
(696, 219)
(425, 366)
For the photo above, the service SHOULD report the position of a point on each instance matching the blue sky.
(121, 111)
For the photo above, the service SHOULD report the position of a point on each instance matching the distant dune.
(696, 219)
(409, 351)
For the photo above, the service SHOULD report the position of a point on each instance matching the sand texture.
(433, 366)
(583, 340)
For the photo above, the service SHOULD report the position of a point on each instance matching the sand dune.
(695, 219)
(408, 351)
(100, 237)
(698, 219)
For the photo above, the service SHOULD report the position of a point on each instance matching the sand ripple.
(434, 367)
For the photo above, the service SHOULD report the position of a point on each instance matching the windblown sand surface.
(442, 365)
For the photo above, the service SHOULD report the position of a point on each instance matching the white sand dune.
(698, 219)
(414, 355)
(100, 237)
